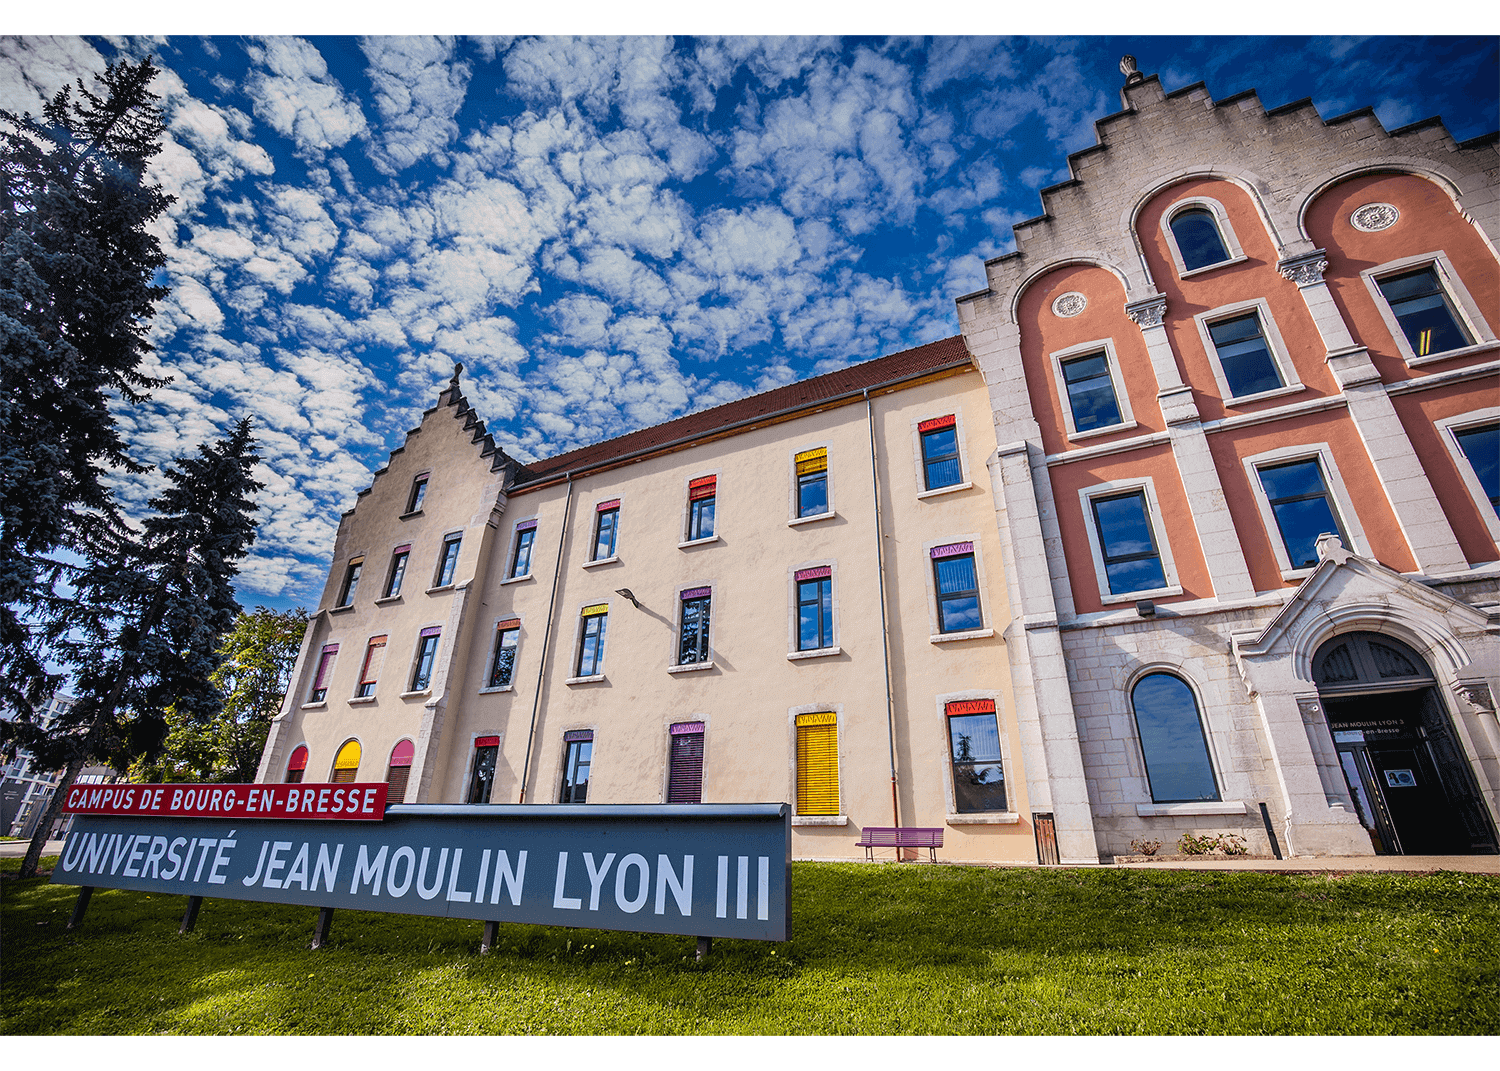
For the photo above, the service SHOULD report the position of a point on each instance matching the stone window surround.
(1010, 816)
(666, 745)
(562, 758)
(1343, 505)
(986, 614)
(1154, 517)
(489, 662)
(1226, 232)
(1291, 383)
(676, 631)
(837, 710)
(687, 505)
(1152, 807)
(1447, 428)
(1116, 380)
(791, 466)
(593, 529)
(576, 650)
(966, 477)
(510, 550)
(793, 631)
(1464, 305)
(474, 757)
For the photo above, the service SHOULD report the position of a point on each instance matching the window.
(957, 588)
(1481, 447)
(591, 640)
(325, 670)
(1091, 392)
(351, 582)
(974, 740)
(578, 755)
(398, 571)
(1127, 545)
(1299, 500)
(812, 482)
(448, 560)
(814, 608)
(692, 643)
(685, 771)
(427, 644)
(503, 663)
(1198, 239)
(606, 529)
(1424, 311)
(1244, 355)
(418, 493)
(940, 463)
(374, 662)
(1178, 768)
(702, 494)
(346, 764)
(482, 779)
(520, 559)
(398, 771)
(296, 765)
(817, 763)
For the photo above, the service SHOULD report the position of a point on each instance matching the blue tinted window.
(957, 594)
(1299, 501)
(1245, 356)
(1198, 238)
(521, 564)
(1424, 313)
(604, 540)
(701, 518)
(1482, 447)
(814, 614)
(1177, 762)
(978, 776)
(940, 463)
(1091, 392)
(1131, 560)
(812, 494)
(591, 649)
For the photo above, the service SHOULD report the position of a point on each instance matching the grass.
(875, 950)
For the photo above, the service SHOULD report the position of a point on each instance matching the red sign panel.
(357, 801)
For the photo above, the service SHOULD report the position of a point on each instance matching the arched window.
(398, 770)
(1171, 732)
(296, 765)
(1198, 238)
(346, 766)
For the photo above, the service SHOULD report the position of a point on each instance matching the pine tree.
(76, 300)
(144, 626)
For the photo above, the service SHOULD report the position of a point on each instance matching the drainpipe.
(541, 669)
(885, 628)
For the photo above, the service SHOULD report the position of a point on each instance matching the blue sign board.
(705, 870)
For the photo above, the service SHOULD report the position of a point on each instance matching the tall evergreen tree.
(76, 300)
(144, 626)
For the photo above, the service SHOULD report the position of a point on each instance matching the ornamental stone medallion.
(1376, 216)
(1069, 305)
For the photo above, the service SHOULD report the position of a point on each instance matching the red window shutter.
(936, 423)
(705, 487)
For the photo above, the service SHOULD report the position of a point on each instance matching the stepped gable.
(945, 354)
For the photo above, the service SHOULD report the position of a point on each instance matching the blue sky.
(608, 232)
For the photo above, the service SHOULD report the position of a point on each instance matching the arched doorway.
(1404, 766)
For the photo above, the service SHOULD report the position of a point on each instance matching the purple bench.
(899, 837)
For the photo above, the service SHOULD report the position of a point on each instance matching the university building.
(1193, 529)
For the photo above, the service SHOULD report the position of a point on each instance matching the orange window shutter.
(374, 661)
(817, 764)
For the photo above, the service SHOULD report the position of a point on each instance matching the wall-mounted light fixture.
(627, 593)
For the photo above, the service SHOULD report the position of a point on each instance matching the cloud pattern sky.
(607, 232)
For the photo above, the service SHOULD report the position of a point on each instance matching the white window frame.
(1280, 355)
(673, 666)
(489, 665)
(1154, 517)
(1448, 429)
(1342, 503)
(576, 650)
(966, 480)
(510, 551)
(1464, 305)
(593, 543)
(1009, 816)
(1149, 807)
(687, 510)
(791, 461)
(1226, 234)
(792, 620)
(986, 621)
(1116, 380)
(837, 710)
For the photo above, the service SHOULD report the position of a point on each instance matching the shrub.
(1212, 844)
(1145, 847)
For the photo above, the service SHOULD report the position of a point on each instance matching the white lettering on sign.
(742, 888)
(559, 901)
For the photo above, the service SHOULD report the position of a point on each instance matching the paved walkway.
(16, 849)
(1422, 864)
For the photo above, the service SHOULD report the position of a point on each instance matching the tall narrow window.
(974, 737)
(957, 588)
(817, 763)
(427, 644)
(374, 662)
(418, 493)
(346, 763)
(520, 561)
(940, 464)
(1172, 742)
(399, 557)
(482, 778)
(685, 775)
(1198, 238)
(351, 582)
(1481, 445)
(606, 529)
(814, 608)
(398, 771)
(503, 664)
(1091, 392)
(1302, 507)
(578, 756)
(692, 643)
(297, 765)
(812, 482)
(1132, 561)
(1425, 313)
(702, 494)
(448, 560)
(591, 640)
(325, 670)
(1244, 355)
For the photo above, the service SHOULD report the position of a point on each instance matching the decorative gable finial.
(1331, 548)
(1129, 69)
(457, 369)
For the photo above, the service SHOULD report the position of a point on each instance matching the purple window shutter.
(685, 784)
(574, 736)
(952, 550)
(814, 574)
(433, 631)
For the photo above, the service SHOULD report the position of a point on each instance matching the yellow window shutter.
(817, 764)
(812, 461)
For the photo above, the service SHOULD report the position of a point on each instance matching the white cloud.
(33, 69)
(418, 91)
(298, 98)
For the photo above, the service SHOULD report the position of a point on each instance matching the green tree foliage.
(76, 299)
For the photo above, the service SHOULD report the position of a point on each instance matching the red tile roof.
(937, 356)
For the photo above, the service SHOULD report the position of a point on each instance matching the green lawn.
(880, 949)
